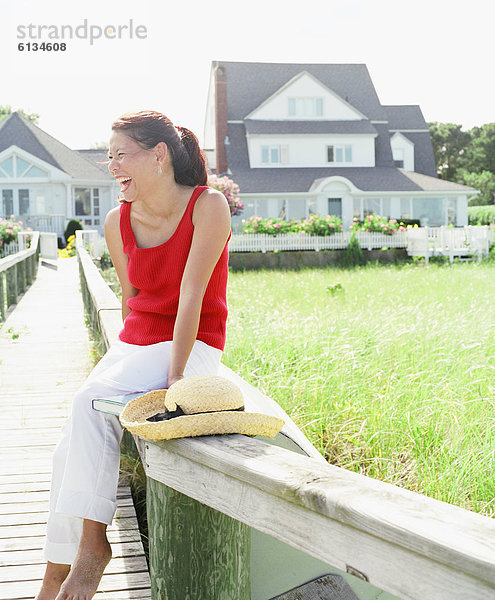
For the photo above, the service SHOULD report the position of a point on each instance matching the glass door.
(335, 207)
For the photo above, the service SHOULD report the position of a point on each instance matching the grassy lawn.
(389, 371)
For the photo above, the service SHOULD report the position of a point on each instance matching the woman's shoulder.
(211, 201)
(112, 219)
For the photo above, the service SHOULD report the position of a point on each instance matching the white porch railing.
(452, 242)
(49, 223)
(92, 241)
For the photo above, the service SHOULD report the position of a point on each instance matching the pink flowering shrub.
(9, 230)
(378, 224)
(313, 225)
(230, 190)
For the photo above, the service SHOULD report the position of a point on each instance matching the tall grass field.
(389, 371)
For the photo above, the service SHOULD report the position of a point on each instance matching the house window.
(24, 203)
(305, 107)
(274, 155)
(429, 211)
(96, 201)
(339, 154)
(370, 206)
(405, 208)
(362, 207)
(87, 203)
(398, 154)
(335, 207)
(452, 211)
(7, 203)
(7, 168)
(83, 201)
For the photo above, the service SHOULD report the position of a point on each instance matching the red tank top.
(157, 273)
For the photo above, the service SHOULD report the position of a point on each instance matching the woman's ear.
(161, 152)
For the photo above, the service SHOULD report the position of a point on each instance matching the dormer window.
(339, 154)
(274, 155)
(398, 154)
(305, 107)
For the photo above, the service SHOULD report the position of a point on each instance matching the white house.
(45, 184)
(314, 138)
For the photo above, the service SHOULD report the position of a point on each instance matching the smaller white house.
(44, 184)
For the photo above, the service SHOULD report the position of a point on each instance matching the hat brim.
(134, 416)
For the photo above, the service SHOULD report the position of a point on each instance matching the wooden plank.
(109, 583)
(12, 518)
(35, 405)
(37, 540)
(336, 516)
(117, 566)
(30, 551)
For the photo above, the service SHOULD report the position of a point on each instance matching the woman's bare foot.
(93, 556)
(55, 575)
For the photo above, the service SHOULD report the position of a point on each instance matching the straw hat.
(197, 405)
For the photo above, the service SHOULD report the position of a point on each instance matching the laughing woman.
(168, 243)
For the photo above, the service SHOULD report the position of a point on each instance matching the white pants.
(86, 460)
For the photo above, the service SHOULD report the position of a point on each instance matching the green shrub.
(353, 255)
(313, 225)
(72, 227)
(378, 224)
(481, 215)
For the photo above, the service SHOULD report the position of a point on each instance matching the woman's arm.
(119, 258)
(211, 220)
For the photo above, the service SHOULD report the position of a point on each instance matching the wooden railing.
(18, 271)
(206, 495)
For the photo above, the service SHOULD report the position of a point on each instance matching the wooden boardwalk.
(45, 355)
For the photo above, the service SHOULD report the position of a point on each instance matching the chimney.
(221, 119)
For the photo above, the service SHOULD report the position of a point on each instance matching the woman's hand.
(173, 379)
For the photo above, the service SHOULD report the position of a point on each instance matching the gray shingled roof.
(249, 84)
(367, 179)
(96, 156)
(408, 116)
(17, 130)
(301, 127)
(405, 118)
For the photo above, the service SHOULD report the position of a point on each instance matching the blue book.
(115, 404)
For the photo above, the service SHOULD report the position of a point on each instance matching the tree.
(484, 182)
(6, 110)
(480, 155)
(450, 145)
(230, 190)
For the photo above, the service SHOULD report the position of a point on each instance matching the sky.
(435, 53)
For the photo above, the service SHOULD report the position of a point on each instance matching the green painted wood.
(21, 277)
(11, 277)
(2, 297)
(195, 551)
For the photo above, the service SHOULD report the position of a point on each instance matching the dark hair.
(149, 127)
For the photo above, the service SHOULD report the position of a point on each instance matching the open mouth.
(125, 182)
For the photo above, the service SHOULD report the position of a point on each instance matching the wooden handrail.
(402, 542)
(14, 259)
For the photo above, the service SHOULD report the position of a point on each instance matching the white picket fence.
(256, 242)
(420, 241)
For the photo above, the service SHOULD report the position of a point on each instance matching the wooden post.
(21, 277)
(194, 551)
(2, 297)
(11, 281)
